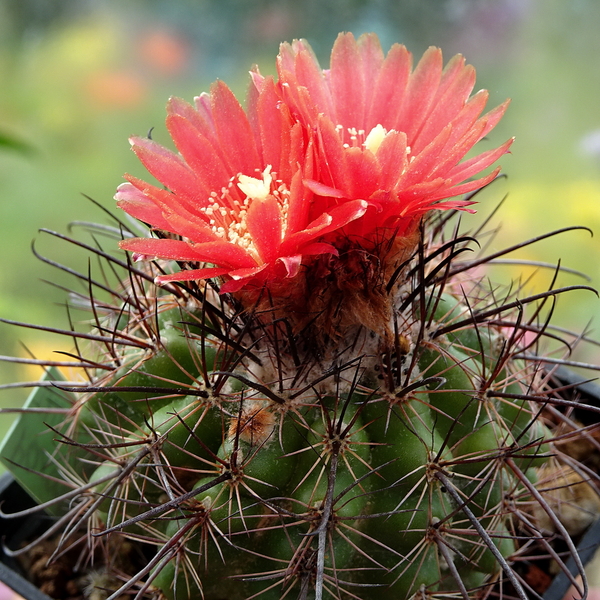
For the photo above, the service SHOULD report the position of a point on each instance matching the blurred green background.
(77, 77)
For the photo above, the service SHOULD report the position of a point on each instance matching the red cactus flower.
(320, 160)
(235, 192)
(386, 133)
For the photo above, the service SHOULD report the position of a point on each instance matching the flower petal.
(302, 81)
(292, 264)
(474, 165)
(392, 159)
(199, 151)
(274, 126)
(234, 131)
(323, 190)
(224, 254)
(420, 92)
(137, 205)
(336, 219)
(347, 82)
(264, 222)
(366, 172)
(170, 249)
(448, 102)
(389, 92)
(168, 168)
(240, 279)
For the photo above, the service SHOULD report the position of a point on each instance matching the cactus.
(303, 389)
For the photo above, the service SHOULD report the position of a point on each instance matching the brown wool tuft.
(254, 425)
(335, 295)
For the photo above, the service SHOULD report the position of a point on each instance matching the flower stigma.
(375, 138)
(257, 189)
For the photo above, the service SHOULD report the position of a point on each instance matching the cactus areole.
(300, 388)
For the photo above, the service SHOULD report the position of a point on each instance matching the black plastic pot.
(15, 531)
(588, 393)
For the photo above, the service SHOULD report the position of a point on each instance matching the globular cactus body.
(364, 468)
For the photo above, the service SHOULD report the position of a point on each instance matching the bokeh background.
(77, 77)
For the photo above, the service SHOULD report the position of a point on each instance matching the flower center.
(226, 213)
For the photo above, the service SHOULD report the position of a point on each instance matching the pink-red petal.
(137, 205)
(234, 131)
(392, 159)
(347, 82)
(225, 254)
(446, 106)
(241, 278)
(200, 153)
(264, 223)
(168, 168)
(161, 248)
(389, 92)
(420, 92)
